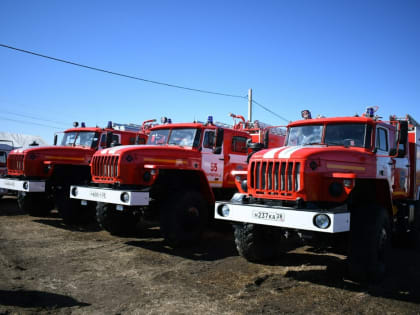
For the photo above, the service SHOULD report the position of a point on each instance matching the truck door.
(401, 170)
(235, 158)
(384, 164)
(212, 163)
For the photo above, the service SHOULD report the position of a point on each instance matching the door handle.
(221, 159)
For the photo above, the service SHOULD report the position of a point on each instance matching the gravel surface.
(48, 267)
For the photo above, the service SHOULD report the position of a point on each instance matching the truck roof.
(183, 125)
(349, 119)
(95, 129)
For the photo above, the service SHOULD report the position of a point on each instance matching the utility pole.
(250, 105)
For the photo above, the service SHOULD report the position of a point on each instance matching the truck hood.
(322, 152)
(57, 153)
(146, 152)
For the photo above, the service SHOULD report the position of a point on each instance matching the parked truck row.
(355, 179)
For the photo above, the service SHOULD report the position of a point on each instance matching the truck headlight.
(223, 210)
(322, 221)
(74, 191)
(125, 197)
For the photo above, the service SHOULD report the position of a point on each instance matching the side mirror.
(55, 139)
(403, 132)
(108, 140)
(402, 137)
(266, 138)
(217, 149)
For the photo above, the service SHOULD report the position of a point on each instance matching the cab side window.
(239, 145)
(208, 141)
(382, 139)
(3, 158)
(115, 140)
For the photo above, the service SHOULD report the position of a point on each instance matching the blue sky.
(332, 57)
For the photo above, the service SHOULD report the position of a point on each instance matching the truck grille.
(105, 167)
(15, 163)
(275, 178)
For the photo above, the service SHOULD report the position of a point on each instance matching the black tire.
(257, 242)
(36, 204)
(369, 245)
(414, 234)
(71, 210)
(114, 221)
(183, 217)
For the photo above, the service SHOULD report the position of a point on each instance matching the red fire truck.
(174, 177)
(357, 177)
(42, 175)
(5, 147)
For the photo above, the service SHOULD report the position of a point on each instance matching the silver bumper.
(108, 195)
(23, 185)
(300, 219)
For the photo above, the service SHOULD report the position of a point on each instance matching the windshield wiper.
(334, 143)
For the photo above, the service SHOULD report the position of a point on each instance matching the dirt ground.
(47, 267)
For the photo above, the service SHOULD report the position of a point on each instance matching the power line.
(120, 74)
(33, 117)
(141, 79)
(270, 111)
(28, 122)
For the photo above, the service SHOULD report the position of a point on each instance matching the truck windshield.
(347, 134)
(84, 139)
(344, 134)
(305, 135)
(186, 137)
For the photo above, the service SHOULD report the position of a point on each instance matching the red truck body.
(40, 175)
(183, 165)
(358, 176)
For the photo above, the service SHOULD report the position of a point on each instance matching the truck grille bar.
(279, 177)
(105, 167)
(15, 162)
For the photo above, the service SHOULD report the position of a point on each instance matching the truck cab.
(41, 175)
(174, 177)
(5, 147)
(354, 175)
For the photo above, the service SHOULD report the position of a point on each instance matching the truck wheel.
(36, 204)
(71, 210)
(414, 234)
(256, 242)
(183, 217)
(370, 242)
(114, 221)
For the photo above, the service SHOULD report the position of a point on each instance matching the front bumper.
(109, 195)
(23, 185)
(291, 218)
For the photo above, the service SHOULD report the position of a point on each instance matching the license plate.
(270, 216)
(119, 207)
